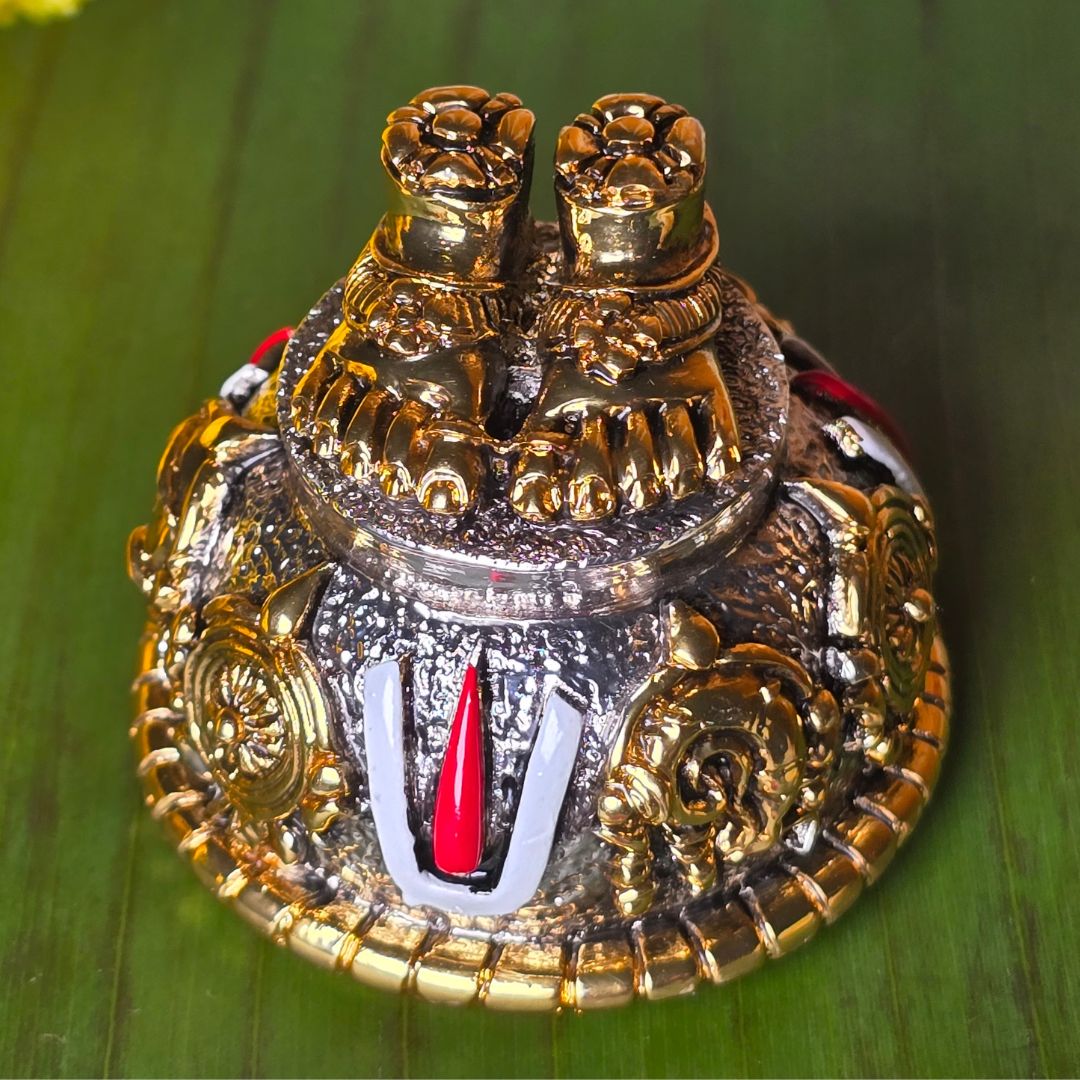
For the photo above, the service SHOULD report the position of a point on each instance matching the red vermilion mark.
(458, 828)
(278, 337)
(826, 384)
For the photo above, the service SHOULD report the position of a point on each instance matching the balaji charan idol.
(541, 622)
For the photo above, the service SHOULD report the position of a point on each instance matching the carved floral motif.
(612, 340)
(880, 612)
(715, 754)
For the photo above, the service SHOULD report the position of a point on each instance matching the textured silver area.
(490, 562)
(267, 543)
(761, 581)
(772, 589)
(591, 662)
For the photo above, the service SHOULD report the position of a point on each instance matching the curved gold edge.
(655, 959)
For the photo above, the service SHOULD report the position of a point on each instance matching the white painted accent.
(878, 446)
(240, 386)
(546, 777)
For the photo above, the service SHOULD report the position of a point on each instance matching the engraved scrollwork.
(720, 749)
(257, 715)
(204, 460)
(880, 611)
(902, 561)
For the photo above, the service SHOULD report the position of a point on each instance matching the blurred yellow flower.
(38, 10)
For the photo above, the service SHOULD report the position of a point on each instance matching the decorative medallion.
(540, 623)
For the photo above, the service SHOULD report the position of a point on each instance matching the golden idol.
(541, 623)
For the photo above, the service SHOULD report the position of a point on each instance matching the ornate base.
(545, 624)
(716, 940)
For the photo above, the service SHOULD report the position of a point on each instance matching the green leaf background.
(901, 179)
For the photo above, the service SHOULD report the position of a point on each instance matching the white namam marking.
(240, 386)
(546, 777)
(856, 438)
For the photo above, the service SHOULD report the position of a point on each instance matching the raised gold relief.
(591, 445)
(630, 189)
(633, 408)
(204, 456)
(404, 388)
(257, 712)
(251, 717)
(717, 750)
(880, 611)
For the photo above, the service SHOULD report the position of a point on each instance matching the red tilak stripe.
(278, 337)
(458, 827)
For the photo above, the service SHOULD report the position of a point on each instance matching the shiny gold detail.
(692, 640)
(403, 389)
(880, 611)
(233, 705)
(410, 317)
(727, 944)
(713, 754)
(611, 340)
(414, 423)
(629, 184)
(638, 475)
(632, 408)
(289, 608)
(903, 557)
(896, 800)
(203, 459)
(257, 713)
(591, 488)
(785, 916)
(866, 840)
(633, 366)
(386, 953)
(459, 164)
(630, 326)
(669, 427)
(526, 976)
(452, 970)
(603, 974)
(666, 961)
(323, 943)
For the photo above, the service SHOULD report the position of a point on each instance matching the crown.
(459, 162)
(630, 189)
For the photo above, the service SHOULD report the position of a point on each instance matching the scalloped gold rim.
(653, 958)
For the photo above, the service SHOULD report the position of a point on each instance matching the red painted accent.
(458, 827)
(278, 337)
(826, 384)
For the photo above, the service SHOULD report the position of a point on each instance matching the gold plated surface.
(716, 944)
(749, 745)
(633, 409)
(714, 754)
